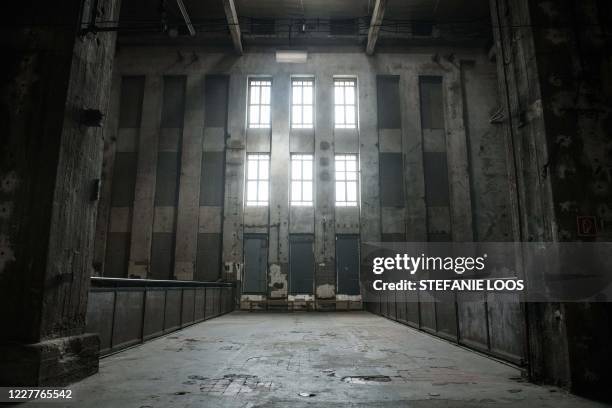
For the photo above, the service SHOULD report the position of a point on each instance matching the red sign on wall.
(587, 225)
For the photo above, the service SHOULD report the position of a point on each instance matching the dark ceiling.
(456, 19)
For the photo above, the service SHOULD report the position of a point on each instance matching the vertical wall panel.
(432, 105)
(162, 255)
(436, 179)
(255, 264)
(347, 264)
(391, 180)
(117, 252)
(130, 105)
(211, 181)
(208, 263)
(301, 264)
(388, 97)
(173, 103)
(166, 186)
(188, 209)
(124, 179)
(216, 93)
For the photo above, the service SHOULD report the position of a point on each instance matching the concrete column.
(368, 151)
(189, 182)
(49, 162)
(234, 179)
(279, 192)
(144, 196)
(106, 178)
(412, 145)
(457, 157)
(324, 186)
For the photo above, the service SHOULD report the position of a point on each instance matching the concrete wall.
(554, 65)
(392, 207)
(50, 162)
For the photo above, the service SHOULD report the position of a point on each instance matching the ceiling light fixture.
(291, 57)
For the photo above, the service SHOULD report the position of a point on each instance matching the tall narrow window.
(302, 90)
(258, 180)
(301, 179)
(259, 103)
(345, 103)
(347, 189)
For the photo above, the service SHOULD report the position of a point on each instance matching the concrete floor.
(340, 359)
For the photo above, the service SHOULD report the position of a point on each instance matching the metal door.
(255, 264)
(301, 264)
(347, 264)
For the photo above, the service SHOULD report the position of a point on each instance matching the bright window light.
(301, 180)
(302, 103)
(347, 180)
(259, 103)
(345, 103)
(258, 180)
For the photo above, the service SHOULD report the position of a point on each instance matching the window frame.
(259, 83)
(257, 179)
(302, 104)
(345, 180)
(302, 180)
(344, 105)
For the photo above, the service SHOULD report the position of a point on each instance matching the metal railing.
(125, 312)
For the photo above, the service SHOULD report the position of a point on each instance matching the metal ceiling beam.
(185, 14)
(232, 21)
(377, 18)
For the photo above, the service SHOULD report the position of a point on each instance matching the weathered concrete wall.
(50, 167)
(554, 62)
(403, 216)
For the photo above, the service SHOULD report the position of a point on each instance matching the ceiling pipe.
(183, 9)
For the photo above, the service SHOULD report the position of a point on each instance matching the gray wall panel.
(188, 308)
(166, 185)
(347, 264)
(154, 315)
(212, 179)
(391, 180)
(128, 318)
(436, 179)
(130, 104)
(99, 308)
(389, 116)
(124, 179)
(172, 313)
(301, 264)
(432, 104)
(117, 253)
(208, 263)
(216, 89)
(162, 255)
(173, 102)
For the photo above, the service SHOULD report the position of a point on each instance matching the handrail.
(105, 282)
(126, 312)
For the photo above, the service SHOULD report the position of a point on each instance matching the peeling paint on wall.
(277, 281)
(326, 291)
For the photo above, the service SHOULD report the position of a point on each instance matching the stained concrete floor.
(335, 359)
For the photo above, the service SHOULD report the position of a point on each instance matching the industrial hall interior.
(192, 193)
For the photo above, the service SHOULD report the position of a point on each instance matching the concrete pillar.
(457, 157)
(104, 205)
(368, 151)
(189, 182)
(324, 187)
(279, 188)
(412, 146)
(234, 179)
(50, 161)
(143, 216)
